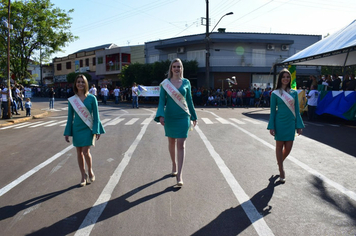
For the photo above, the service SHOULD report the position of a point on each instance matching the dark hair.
(279, 81)
(86, 89)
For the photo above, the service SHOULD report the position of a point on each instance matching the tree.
(39, 30)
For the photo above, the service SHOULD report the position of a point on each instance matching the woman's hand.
(161, 120)
(299, 131)
(195, 122)
(66, 137)
(272, 132)
(97, 136)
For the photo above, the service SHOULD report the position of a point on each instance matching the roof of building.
(104, 46)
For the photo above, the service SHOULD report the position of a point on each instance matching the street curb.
(15, 121)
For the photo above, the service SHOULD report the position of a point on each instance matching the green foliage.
(71, 76)
(39, 30)
(153, 74)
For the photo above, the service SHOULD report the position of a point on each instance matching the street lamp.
(8, 26)
(207, 45)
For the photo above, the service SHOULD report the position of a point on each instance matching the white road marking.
(25, 125)
(12, 126)
(330, 182)
(132, 121)
(146, 121)
(207, 121)
(33, 171)
(237, 121)
(223, 121)
(115, 121)
(255, 217)
(100, 204)
(251, 121)
(48, 122)
(57, 123)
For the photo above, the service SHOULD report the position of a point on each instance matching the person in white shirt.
(105, 93)
(93, 90)
(134, 96)
(4, 104)
(312, 103)
(117, 94)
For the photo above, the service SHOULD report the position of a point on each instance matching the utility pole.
(207, 48)
(8, 61)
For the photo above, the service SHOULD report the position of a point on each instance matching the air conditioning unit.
(180, 50)
(285, 47)
(270, 47)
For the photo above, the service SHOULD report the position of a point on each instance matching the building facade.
(111, 61)
(80, 62)
(249, 57)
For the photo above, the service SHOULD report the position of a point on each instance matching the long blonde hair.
(170, 74)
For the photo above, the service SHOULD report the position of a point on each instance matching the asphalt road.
(230, 183)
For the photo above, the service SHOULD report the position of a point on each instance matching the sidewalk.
(37, 112)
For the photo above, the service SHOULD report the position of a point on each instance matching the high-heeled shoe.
(282, 180)
(180, 184)
(174, 173)
(92, 179)
(86, 180)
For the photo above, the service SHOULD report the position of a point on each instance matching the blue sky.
(134, 22)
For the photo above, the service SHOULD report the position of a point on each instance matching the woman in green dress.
(174, 118)
(83, 135)
(284, 119)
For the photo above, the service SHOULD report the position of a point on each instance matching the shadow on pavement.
(113, 207)
(341, 203)
(323, 131)
(10, 211)
(234, 221)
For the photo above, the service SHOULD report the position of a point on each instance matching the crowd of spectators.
(254, 97)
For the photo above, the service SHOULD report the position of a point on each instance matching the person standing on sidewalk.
(284, 119)
(312, 103)
(83, 124)
(28, 106)
(117, 94)
(134, 95)
(51, 98)
(105, 94)
(5, 95)
(175, 112)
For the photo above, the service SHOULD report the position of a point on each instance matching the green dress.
(176, 120)
(282, 119)
(82, 135)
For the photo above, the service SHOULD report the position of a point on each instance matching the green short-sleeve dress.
(82, 134)
(282, 119)
(176, 120)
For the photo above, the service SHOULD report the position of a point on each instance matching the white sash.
(81, 110)
(286, 98)
(175, 95)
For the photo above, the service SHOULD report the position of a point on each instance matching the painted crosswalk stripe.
(207, 121)
(104, 121)
(251, 121)
(115, 121)
(45, 123)
(223, 121)
(146, 121)
(12, 126)
(132, 121)
(25, 125)
(237, 121)
(57, 123)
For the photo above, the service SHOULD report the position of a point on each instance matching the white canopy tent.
(338, 49)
